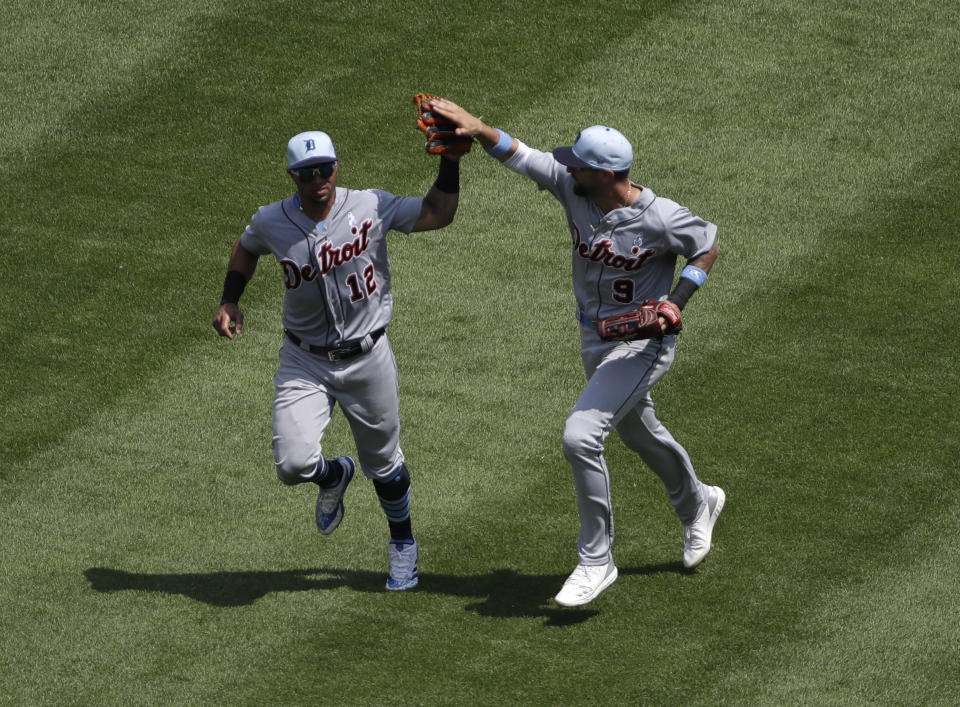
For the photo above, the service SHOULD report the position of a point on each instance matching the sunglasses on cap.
(306, 174)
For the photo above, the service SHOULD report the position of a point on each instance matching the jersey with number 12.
(336, 273)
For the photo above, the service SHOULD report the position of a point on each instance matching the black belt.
(348, 349)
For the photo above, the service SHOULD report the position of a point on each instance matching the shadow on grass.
(501, 593)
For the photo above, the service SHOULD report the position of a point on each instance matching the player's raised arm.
(440, 203)
(496, 142)
(229, 318)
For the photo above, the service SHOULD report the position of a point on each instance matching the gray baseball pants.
(307, 388)
(620, 376)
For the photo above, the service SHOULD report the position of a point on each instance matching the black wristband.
(448, 178)
(682, 292)
(233, 285)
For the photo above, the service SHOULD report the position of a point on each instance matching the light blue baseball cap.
(312, 147)
(597, 147)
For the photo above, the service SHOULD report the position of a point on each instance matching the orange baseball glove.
(441, 133)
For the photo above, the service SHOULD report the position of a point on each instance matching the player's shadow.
(501, 593)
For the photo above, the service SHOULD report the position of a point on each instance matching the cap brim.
(565, 156)
(310, 161)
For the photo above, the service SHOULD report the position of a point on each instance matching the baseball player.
(331, 244)
(625, 241)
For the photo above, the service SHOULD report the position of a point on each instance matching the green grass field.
(149, 554)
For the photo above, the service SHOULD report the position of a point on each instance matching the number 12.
(369, 281)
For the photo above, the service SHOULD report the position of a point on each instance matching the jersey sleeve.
(687, 234)
(252, 239)
(540, 167)
(398, 213)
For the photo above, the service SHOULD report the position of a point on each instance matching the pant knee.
(293, 472)
(295, 459)
(580, 439)
(288, 476)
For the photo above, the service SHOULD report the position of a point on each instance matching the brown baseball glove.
(441, 133)
(641, 323)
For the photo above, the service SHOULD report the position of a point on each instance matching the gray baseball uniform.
(620, 259)
(338, 297)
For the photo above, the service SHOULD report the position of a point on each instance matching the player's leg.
(604, 400)
(301, 412)
(643, 433)
(696, 504)
(393, 492)
(618, 377)
(302, 406)
(367, 389)
(368, 392)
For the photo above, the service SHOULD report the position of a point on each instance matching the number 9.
(623, 290)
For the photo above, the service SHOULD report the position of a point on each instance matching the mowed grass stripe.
(95, 268)
(163, 557)
(889, 638)
(68, 58)
(132, 226)
(831, 438)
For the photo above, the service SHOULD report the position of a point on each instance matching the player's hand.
(668, 324)
(229, 320)
(467, 125)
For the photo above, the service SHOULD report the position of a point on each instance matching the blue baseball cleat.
(330, 500)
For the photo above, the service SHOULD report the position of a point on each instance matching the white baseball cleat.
(697, 535)
(585, 583)
(403, 566)
(330, 500)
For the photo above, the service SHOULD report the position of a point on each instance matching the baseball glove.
(641, 323)
(441, 133)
